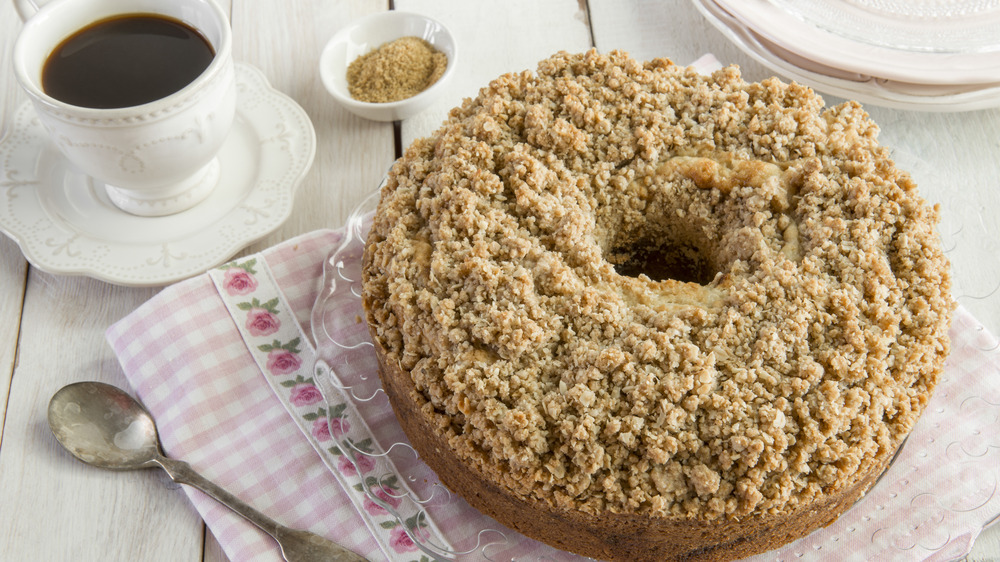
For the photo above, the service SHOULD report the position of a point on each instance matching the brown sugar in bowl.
(366, 34)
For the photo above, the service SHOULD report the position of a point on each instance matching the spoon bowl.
(104, 426)
(122, 437)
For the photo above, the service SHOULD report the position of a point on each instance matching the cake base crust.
(625, 537)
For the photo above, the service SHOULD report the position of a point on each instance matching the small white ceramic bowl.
(369, 33)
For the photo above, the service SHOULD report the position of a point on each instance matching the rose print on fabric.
(261, 322)
(381, 494)
(326, 425)
(365, 464)
(400, 540)
(239, 278)
(262, 319)
(305, 394)
(324, 429)
(362, 456)
(282, 358)
(387, 493)
(284, 354)
(283, 362)
(321, 430)
(339, 426)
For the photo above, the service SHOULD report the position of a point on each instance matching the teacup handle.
(27, 8)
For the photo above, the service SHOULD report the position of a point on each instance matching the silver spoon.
(102, 425)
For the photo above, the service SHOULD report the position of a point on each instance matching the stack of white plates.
(931, 55)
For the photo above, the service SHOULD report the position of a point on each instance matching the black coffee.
(124, 61)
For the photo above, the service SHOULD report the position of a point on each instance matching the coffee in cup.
(126, 60)
(137, 94)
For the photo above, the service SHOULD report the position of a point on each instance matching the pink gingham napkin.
(234, 393)
(186, 359)
(188, 363)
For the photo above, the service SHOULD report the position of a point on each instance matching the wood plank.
(13, 280)
(213, 550)
(13, 267)
(987, 546)
(649, 29)
(520, 33)
(99, 514)
(352, 153)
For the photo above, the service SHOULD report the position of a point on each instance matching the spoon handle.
(296, 545)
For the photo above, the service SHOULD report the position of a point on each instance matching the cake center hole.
(659, 262)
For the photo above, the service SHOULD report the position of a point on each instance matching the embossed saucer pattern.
(65, 223)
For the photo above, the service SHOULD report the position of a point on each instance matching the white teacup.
(157, 158)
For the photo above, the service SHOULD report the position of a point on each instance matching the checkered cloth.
(193, 365)
(189, 364)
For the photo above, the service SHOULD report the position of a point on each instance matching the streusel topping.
(635, 288)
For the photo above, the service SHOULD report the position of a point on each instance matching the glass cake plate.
(940, 491)
(440, 524)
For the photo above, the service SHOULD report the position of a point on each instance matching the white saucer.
(65, 223)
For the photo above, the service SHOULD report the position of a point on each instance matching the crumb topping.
(634, 288)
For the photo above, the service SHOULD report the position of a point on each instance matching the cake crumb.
(783, 353)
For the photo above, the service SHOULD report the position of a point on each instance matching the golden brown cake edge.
(602, 525)
(612, 536)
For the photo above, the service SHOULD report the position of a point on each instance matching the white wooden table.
(52, 327)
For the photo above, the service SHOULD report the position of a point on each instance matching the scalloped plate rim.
(223, 244)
